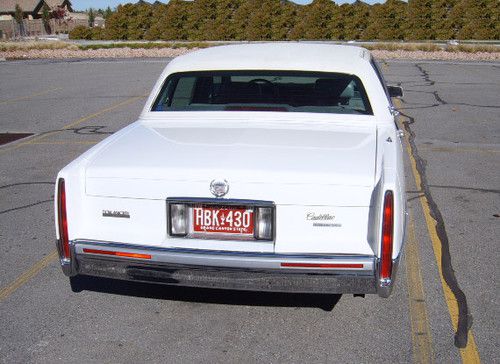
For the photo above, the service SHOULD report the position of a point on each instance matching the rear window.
(319, 92)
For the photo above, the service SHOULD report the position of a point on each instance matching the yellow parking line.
(470, 353)
(112, 107)
(72, 124)
(30, 96)
(42, 263)
(27, 275)
(420, 329)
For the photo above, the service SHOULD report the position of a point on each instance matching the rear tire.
(76, 284)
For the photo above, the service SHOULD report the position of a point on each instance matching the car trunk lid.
(334, 165)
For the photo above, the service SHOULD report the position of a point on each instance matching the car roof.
(297, 56)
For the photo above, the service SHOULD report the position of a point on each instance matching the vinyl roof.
(275, 56)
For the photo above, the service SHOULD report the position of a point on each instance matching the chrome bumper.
(228, 270)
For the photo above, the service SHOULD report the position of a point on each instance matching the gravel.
(439, 55)
(170, 52)
(94, 53)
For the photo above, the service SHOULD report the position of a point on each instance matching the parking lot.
(447, 282)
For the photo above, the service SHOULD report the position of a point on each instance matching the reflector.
(321, 265)
(387, 236)
(117, 254)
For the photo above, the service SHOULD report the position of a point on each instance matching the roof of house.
(7, 6)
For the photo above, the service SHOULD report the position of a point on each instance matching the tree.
(46, 19)
(201, 19)
(479, 19)
(441, 19)
(107, 13)
(261, 20)
(19, 17)
(224, 23)
(387, 21)
(315, 20)
(284, 20)
(170, 23)
(419, 23)
(356, 17)
(91, 17)
(117, 23)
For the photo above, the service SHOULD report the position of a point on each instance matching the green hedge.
(202, 20)
(83, 32)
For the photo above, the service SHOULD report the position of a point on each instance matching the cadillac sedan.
(268, 167)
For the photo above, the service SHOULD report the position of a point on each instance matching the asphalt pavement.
(447, 283)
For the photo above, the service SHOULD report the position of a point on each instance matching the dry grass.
(426, 47)
(473, 48)
(393, 46)
(432, 47)
(147, 45)
(24, 46)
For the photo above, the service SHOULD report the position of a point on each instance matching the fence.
(35, 28)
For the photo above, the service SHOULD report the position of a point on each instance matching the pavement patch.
(12, 137)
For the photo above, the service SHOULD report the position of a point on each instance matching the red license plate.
(223, 220)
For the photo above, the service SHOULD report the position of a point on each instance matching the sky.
(102, 4)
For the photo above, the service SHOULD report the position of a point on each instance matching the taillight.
(387, 236)
(62, 219)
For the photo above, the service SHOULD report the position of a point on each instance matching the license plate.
(223, 220)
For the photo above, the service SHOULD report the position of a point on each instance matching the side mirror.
(395, 91)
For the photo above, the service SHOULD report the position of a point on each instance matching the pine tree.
(387, 21)
(140, 21)
(356, 17)
(107, 13)
(91, 17)
(171, 21)
(19, 18)
(480, 19)
(46, 19)
(201, 19)
(260, 22)
(242, 18)
(442, 27)
(419, 23)
(315, 22)
(224, 24)
(285, 19)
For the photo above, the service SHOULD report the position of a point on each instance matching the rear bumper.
(228, 270)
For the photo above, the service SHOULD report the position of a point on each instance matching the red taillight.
(387, 236)
(62, 219)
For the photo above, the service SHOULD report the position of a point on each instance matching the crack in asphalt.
(26, 184)
(31, 204)
(483, 190)
(440, 101)
(25, 206)
(464, 317)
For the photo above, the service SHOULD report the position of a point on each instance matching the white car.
(269, 167)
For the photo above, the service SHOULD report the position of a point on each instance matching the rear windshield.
(319, 92)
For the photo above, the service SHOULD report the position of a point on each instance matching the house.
(32, 9)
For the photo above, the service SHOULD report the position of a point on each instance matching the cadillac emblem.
(219, 188)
